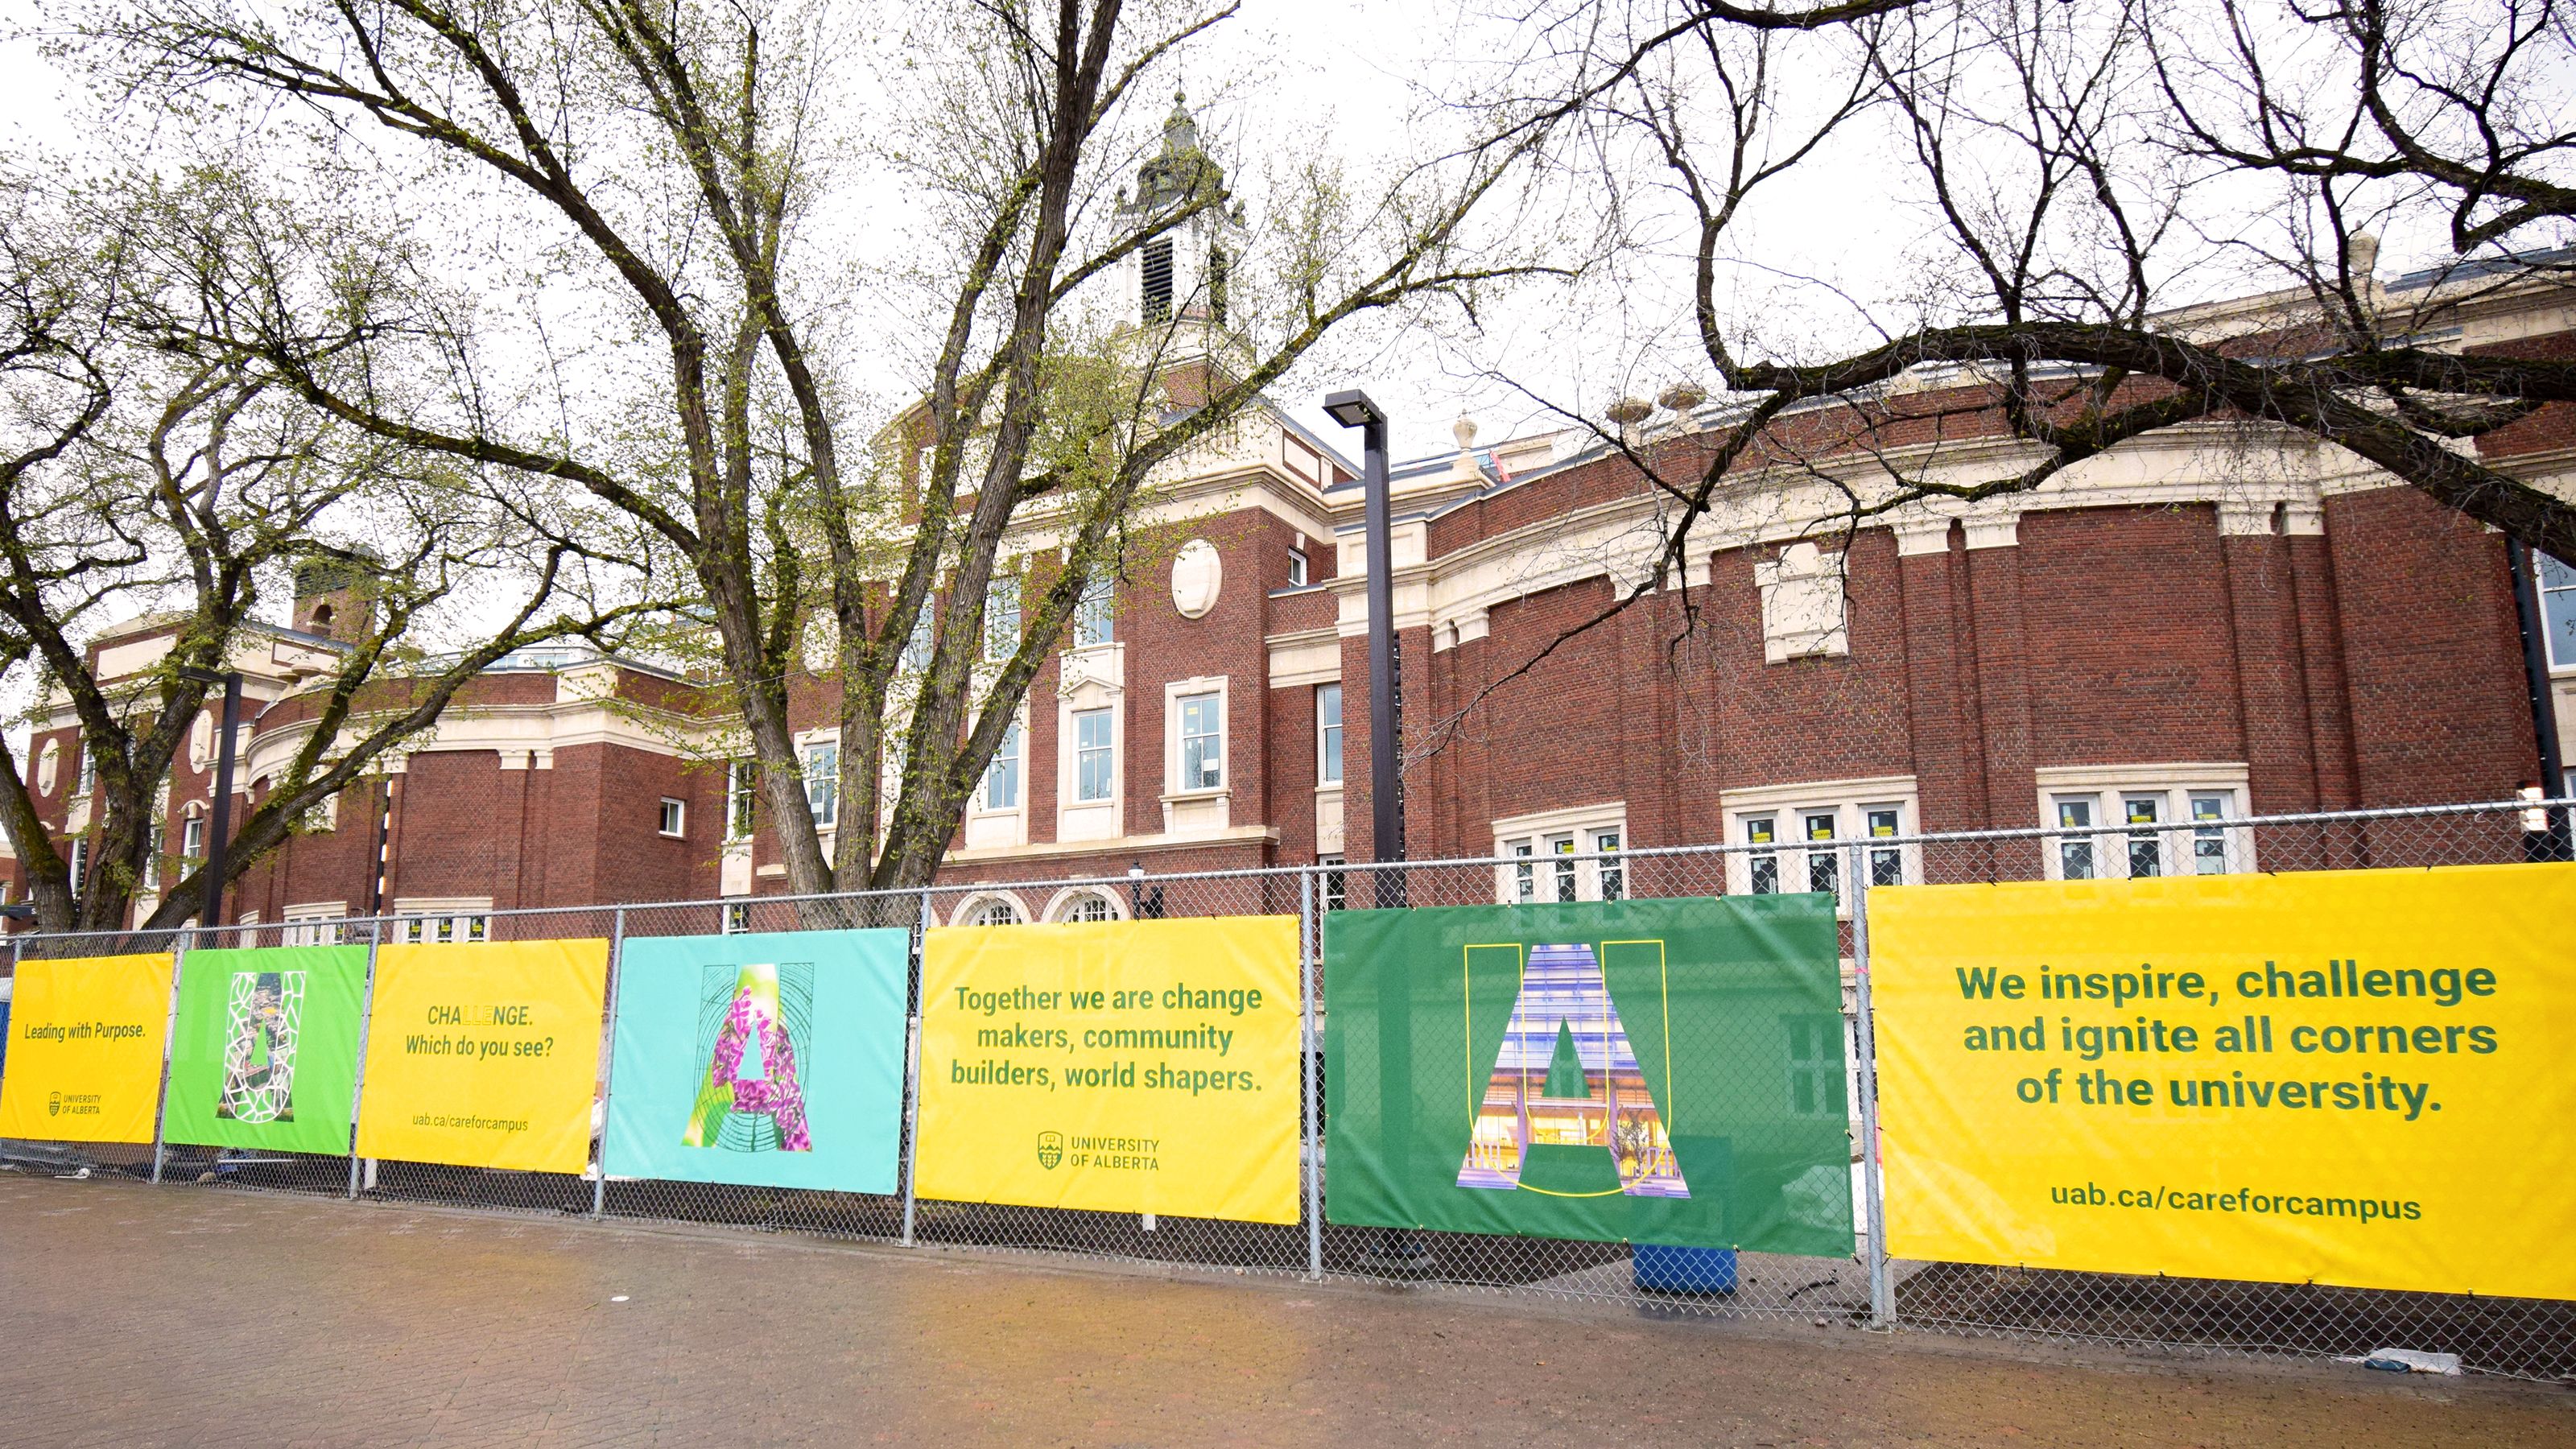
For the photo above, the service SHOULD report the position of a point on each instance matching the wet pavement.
(135, 1316)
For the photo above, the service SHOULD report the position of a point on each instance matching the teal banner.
(771, 1060)
(1658, 1071)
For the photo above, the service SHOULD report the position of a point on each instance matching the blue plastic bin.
(1664, 1268)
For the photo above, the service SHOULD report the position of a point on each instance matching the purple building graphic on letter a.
(1563, 1026)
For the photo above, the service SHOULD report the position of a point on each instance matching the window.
(1156, 303)
(2075, 853)
(319, 924)
(1328, 734)
(1763, 866)
(1296, 568)
(439, 929)
(1086, 906)
(2208, 841)
(1002, 776)
(990, 910)
(1095, 615)
(88, 772)
(742, 799)
(441, 922)
(1824, 863)
(2558, 609)
(2146, 849)
(192, 839)
(823, 782)
(2139, 822)
(79, 864)
(1886, 862)
(1095, 757)
(1337, 884)
(1562, 856)
(1002, 618)
(1830, 836)
(152, 859)
(1816, 1066)
(1202, 742)
(1220, 272)
(737, 917)
(916, 649)
(675, 817)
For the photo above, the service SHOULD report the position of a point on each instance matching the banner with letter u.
(484, 1054)
(1129, 1066)
(767, 1059)
(1655, 1071)
(266, 1050)
(85, 1038)
(2344, 1077)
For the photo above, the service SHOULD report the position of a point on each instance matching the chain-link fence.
(1830, 1077)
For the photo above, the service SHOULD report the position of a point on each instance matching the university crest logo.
(1050, 1149)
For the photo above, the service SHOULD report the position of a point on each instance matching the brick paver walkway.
(135, 1316)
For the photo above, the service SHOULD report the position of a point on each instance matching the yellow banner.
(2348, 1077)
(1129, 1066)
(484, 1055)
(85, 1041)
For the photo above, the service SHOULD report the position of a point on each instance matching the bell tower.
(1178, 279)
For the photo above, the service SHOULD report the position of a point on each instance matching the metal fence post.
(169, 1022)
(616, 972)
(912, 1060)
(366, 1022)
(1882, 1292)
(1310, 933)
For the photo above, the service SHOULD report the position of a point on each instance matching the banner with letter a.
(1129, 1066)
(771, 1059)
(266, 1050)
(2346, 1077)
(85, 1038)
(484, 1054)
(1658, 1071)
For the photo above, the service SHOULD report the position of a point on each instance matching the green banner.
(1667, 1071)
(265, 1054)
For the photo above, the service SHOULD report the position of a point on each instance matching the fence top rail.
(194, 935)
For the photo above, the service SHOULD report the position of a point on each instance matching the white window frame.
(742, 799)
(735, 917)
(1333, 886)
(2179, 793)
(673, 823)
(1530, 878)
(1063, 906)
(86, 780)
(1009, 764)
(1854, 810)
(441, 920)
(1329, 763)
(1296, 568)
(1176, 694)
(2557, 584)
(1001, 602)
(77, 867)
(314, 923)
(1108, 717)
(192, 836)
(822, 786)
(1095, 615)
(974, 908)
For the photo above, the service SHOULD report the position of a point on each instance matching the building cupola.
(1181, 272)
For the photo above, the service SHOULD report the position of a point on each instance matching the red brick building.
(2196, 624)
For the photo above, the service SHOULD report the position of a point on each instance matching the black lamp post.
(219, 829)
(1396, 1253)
(1352, 409)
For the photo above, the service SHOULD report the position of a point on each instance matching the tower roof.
(1180, 169)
